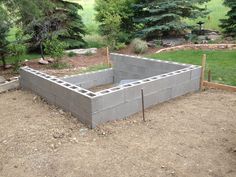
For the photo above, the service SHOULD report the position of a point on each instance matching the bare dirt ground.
(76, 63)
(192, 136)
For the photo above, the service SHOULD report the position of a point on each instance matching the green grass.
(218, 11)
(221, 63)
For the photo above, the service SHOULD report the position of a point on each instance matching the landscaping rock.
(213, 37)
(169, 42)
(83, 51)
(50, 60)
(43, 62)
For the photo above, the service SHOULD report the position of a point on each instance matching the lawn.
(218, 11)
(221, 63)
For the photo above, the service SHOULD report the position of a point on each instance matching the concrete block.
(196, 73)
(106, 101)
(9, 86)
(118, 112)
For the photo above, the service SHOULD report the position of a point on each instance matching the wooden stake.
(209, 75)
(108, 57)
(203, 71)
(143, 105)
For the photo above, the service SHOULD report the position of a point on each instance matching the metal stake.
(143, 105)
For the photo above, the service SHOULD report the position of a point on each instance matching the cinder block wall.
(69, 97)
(133, 67)
(125, 100)
(160, 81)
(91, 79)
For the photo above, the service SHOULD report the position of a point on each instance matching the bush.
(139, 46)
(120, 46)
(55, 49)
(94, 41)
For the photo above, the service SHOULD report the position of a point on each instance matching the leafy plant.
(120, 46)
(16, 51)
(139, 46)
(55, 49)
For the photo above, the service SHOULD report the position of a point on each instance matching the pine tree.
(41, 20)
(73, 26)
(229, 24)
(4, 30)
(165, 17)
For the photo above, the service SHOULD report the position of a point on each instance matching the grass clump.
(139, 46)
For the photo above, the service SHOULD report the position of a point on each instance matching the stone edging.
(199, 47)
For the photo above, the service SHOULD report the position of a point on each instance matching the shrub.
(120, 46)
(55, 49)
(139, 46)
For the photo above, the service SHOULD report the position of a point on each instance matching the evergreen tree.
(41, 20)
(165, 17)
(229, 24)
(4, 30)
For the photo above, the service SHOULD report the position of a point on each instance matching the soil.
(76, 63)
(191, 136)
(102, 87)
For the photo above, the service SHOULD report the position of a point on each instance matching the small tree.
(229, 24)
(55, 49)
(115, 19)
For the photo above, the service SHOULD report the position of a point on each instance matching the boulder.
(83, 51)
(50, 60)
(173, 41)
(43, 62)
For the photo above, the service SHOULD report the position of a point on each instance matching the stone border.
(199, 47)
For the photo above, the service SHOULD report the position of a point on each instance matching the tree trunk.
(3, 61)
(41, 50)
